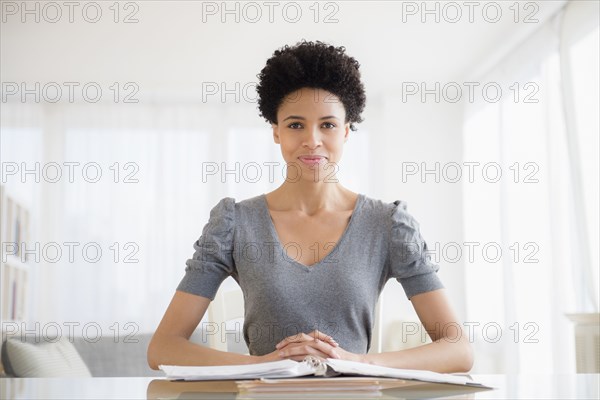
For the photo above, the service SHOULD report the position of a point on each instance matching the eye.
(295, 125)
(329, 125)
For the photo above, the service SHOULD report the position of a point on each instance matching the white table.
(543, 386)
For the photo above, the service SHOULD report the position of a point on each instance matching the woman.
(311, 257)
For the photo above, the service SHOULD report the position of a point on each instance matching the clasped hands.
(315, 343)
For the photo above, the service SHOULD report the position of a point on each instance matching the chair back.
(225, 319)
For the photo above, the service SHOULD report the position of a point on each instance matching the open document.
(310, 366)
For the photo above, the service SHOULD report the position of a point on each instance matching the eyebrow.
(302, 118)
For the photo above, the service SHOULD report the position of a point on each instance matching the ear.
(275, 128)
(347, 133)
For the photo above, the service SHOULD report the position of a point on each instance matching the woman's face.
(310, 122)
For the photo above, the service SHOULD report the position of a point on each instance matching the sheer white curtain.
(542, 213)
(143, 211)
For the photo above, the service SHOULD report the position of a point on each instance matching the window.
(549, 262)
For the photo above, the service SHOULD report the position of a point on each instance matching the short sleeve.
(212, 261)
(407, 258)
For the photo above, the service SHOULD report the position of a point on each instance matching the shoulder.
(395, 212)
(223, 209)
(241, 212)
(391, 217)
(229, 204)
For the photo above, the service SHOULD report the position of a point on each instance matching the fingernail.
(334, 354)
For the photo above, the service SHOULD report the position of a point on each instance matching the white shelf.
(14, 273)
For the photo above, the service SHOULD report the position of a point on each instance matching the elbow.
(466, 358)
(152, 363)
(152, 356)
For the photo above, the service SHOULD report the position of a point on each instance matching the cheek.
(290, 142)
(288, 146)
(336, 141)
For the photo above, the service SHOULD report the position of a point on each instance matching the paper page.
(275, 369)
(352, 367)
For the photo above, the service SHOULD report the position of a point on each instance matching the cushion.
(126, 357)
(44, 359)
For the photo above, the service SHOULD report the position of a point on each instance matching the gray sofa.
(105, 358)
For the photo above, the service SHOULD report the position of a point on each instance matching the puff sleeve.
(212, 261)
(407, 257)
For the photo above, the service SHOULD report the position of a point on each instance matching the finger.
(297, 338)
(303, 337)
(299, 351)
(287, 342)
(320, 335)
(324, 348)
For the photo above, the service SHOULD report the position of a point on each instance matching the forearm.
(176, 350)
(439, 356)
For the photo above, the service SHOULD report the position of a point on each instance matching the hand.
(315, 343)
(296, 347)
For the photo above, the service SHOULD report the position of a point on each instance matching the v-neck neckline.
(275, 235)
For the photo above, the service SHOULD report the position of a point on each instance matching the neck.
(311, 197)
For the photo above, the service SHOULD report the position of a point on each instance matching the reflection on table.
(543, 386)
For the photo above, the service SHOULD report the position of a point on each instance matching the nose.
(313, 137)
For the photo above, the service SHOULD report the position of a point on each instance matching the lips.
(312, 159)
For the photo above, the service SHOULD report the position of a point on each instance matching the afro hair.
(315, 65)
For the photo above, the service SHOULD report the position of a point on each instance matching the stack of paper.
(310, 366)
(275, 369)
(321, 387)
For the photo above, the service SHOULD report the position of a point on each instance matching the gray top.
(336, 295)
